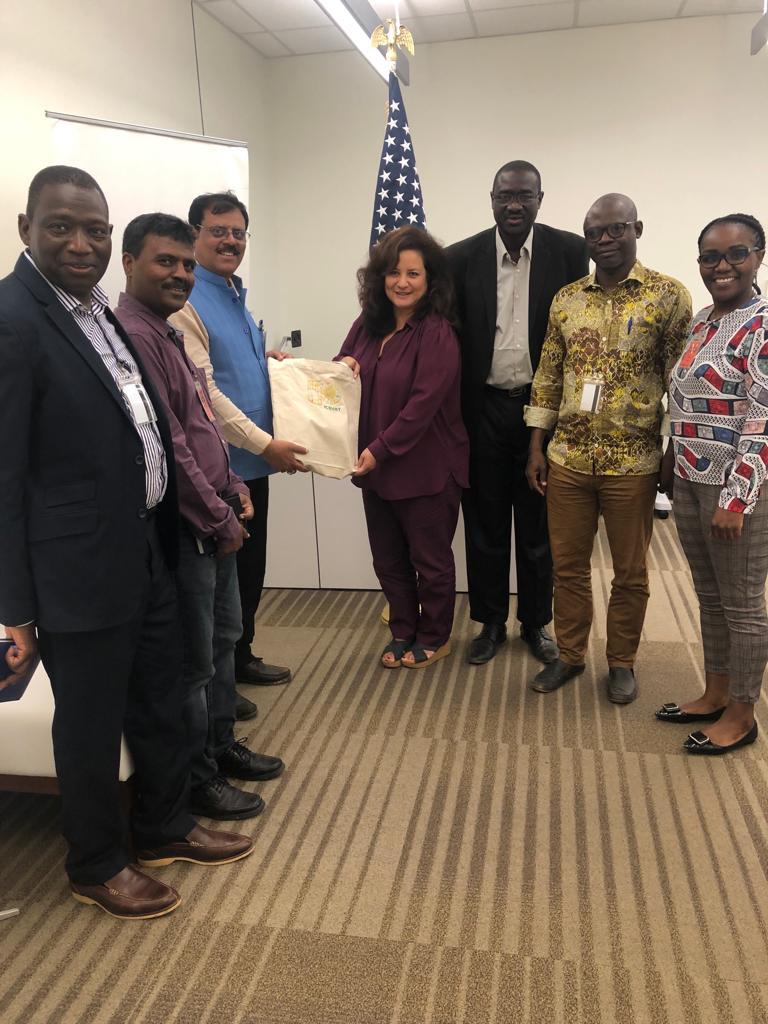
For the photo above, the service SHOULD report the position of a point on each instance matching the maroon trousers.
(410, 542)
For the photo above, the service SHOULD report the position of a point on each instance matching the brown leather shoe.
(129, 895)
(202, 846)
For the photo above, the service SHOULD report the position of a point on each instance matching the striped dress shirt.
(120, 363)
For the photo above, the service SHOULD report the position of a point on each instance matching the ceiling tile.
(531, 18)
(234, 17)
(315, 40)
(266, 44)
(492, 5)
(441, 28)
(613, 12)
(424, 8)
(694, 7)
(274, 15)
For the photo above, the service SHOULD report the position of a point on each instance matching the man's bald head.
(611, 229)
(614, 206)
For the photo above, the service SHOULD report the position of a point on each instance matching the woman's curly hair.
(378, 312)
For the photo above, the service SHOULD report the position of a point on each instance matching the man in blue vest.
(223, 339)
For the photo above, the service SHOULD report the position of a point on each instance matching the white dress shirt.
(511, 366)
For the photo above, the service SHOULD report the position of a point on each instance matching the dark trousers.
(251, 566)
(123, 679)
(211, 624)
(498, 457)
(411, 546)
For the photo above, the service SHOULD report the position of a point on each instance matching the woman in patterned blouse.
(718, 400)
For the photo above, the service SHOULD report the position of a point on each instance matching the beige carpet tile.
(445, 847)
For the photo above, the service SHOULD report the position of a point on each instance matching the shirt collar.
(637, 273)
(129, 304)
(99, 300)
(201, 274)
(501, 249)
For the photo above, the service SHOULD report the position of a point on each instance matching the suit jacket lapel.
(539, 264)
(65, 323)
(486, 270)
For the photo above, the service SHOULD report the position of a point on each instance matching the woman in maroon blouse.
(414, 448)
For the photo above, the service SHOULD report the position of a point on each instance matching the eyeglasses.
(612, 230)
(219, 231)
(524, 198)
(733, 256)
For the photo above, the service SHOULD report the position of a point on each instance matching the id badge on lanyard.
(591, 395)
(134, 392)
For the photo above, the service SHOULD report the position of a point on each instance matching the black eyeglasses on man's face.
(219, 231)
(524, 198)
(733, 256)
(612, 230)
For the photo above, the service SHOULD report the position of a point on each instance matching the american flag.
(398, 190)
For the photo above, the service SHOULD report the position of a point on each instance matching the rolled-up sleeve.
(547, 389)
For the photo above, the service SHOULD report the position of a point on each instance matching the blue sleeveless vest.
(238, 359)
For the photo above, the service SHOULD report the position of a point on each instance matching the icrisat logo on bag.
(325, 394)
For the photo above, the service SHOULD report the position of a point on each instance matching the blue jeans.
(211, 621)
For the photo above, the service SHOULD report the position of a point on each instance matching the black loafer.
(700, 743)
(622, 685)
(241, 763)
(217, 799)
(673, 713)
(541, 643)
(486, 643)
(244, 708)
(257, 673)
(554, 676)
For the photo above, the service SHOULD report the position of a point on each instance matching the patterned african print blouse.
(604, 369)
(718, 404)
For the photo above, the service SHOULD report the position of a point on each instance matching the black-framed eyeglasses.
(524, 198)
(612, 230)
(734, 255)
(219, 231)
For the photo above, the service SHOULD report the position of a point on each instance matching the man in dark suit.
(505, 279)
(88, 531)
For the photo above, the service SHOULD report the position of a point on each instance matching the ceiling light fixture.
(760, 32)
(357, 19)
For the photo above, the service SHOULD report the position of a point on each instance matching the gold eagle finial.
(392, 38)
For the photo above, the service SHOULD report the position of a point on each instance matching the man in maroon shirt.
(159, 263)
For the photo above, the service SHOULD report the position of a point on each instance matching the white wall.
(668, 112)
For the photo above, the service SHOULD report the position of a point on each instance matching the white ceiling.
(282, 28)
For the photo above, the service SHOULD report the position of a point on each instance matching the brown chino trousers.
(574, 504)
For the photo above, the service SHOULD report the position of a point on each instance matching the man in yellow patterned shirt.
(612, 340)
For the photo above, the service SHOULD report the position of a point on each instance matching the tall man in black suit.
(505, 279)
(88, 531)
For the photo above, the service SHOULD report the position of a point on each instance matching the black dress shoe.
(541, 643)
(258, 673)
(217, 799)
(673, 713)
(622, 685)
(700, 743)
(241, 763)
(486, 643)
(553, 676)
(244, 708)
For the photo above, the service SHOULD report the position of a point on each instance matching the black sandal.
(398, 649)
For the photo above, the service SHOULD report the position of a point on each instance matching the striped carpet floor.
(445, 847)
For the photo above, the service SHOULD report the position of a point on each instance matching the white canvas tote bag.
(317, 404)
